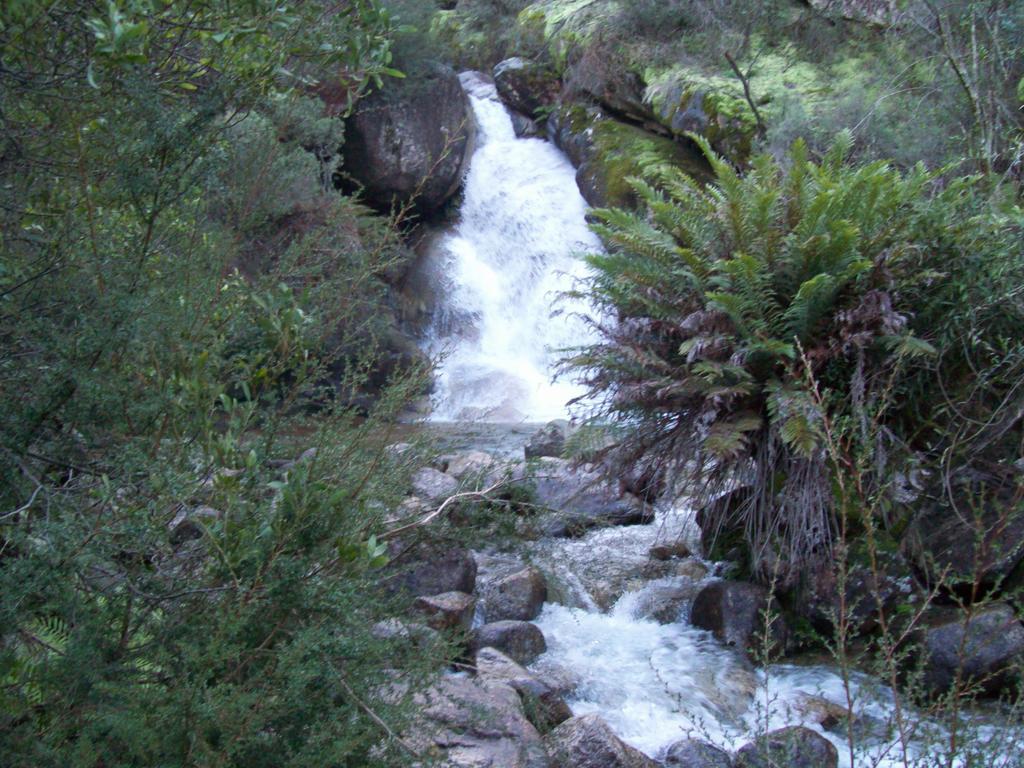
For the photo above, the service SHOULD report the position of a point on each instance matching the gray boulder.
(525, 86)
(518, 596)
(469, 464)
(447, 611)
(430, 568)
(735, 612)
(987, 650)
(433, 485)
(588, 742)
(691, 753)
(520, 640)
(408, 141)
(794, 747)
(543, 705)
(471, 723)
(190, 523)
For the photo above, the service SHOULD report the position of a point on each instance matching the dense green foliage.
(757, 323)
(180, 289)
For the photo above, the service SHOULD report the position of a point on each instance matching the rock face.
(582, 499)
(519, 596)
(477, 724)
(735, 612)
(410, 140)
(543, 705)
(519, 640)
(525, 86)
(588, 742)
(430, 568)
(984, 651)
(795, 747)
(690, 753)
(447, 611)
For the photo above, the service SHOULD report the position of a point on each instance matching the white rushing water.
(502, 268)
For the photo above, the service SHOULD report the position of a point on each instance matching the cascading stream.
(503, 268)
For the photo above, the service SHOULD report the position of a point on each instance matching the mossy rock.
(617, 147)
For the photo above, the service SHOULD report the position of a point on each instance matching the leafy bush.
(742, 314)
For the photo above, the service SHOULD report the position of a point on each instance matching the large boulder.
(520, 640)
(471, 723)
(447, 611)
(987, 650)
(544, 705)
(736, 613)
(582, 499)
(971, 535)
(517, 596)
(588, 742)
(794, 747)
(408, 142)
(429, 568)
(691, 753)
(525, 86)
(433, 485)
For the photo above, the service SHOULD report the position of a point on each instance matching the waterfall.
(503, 269)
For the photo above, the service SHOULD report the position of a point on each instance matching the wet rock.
(410, 139)
(549, 440)
(583, 499)
(519, 596)
(430, 568)
(588, 742)
(691, 753)
(665, 604)
(525, 128)
(543, 705)
(794, 747)
(429, 483)
(190, 523)
(735, 612)
(520, 640)
(570, 127)
(987, 650)
(447, 611)
(471, 723)
(525, 86)
(668, 551)
(692, 569)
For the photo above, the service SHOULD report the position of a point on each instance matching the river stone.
(520, 640)
(793, 747)
(447, 611)
(549, 440)
(665, 603)
(582, 499)
(676, 549)
(429, 483)
(992, 645)
(519, 596)
(544, 706)
(691, 753)
(525, 86)
(471, 723)
(469, 464)
(588, 742)
(430, 568)
(734, 611)
(407, 142)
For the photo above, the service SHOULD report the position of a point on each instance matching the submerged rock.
(520, 640)
(588, 742)
(794, 747)
(407, 142)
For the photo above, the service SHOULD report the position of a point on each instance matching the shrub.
(723, 304)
